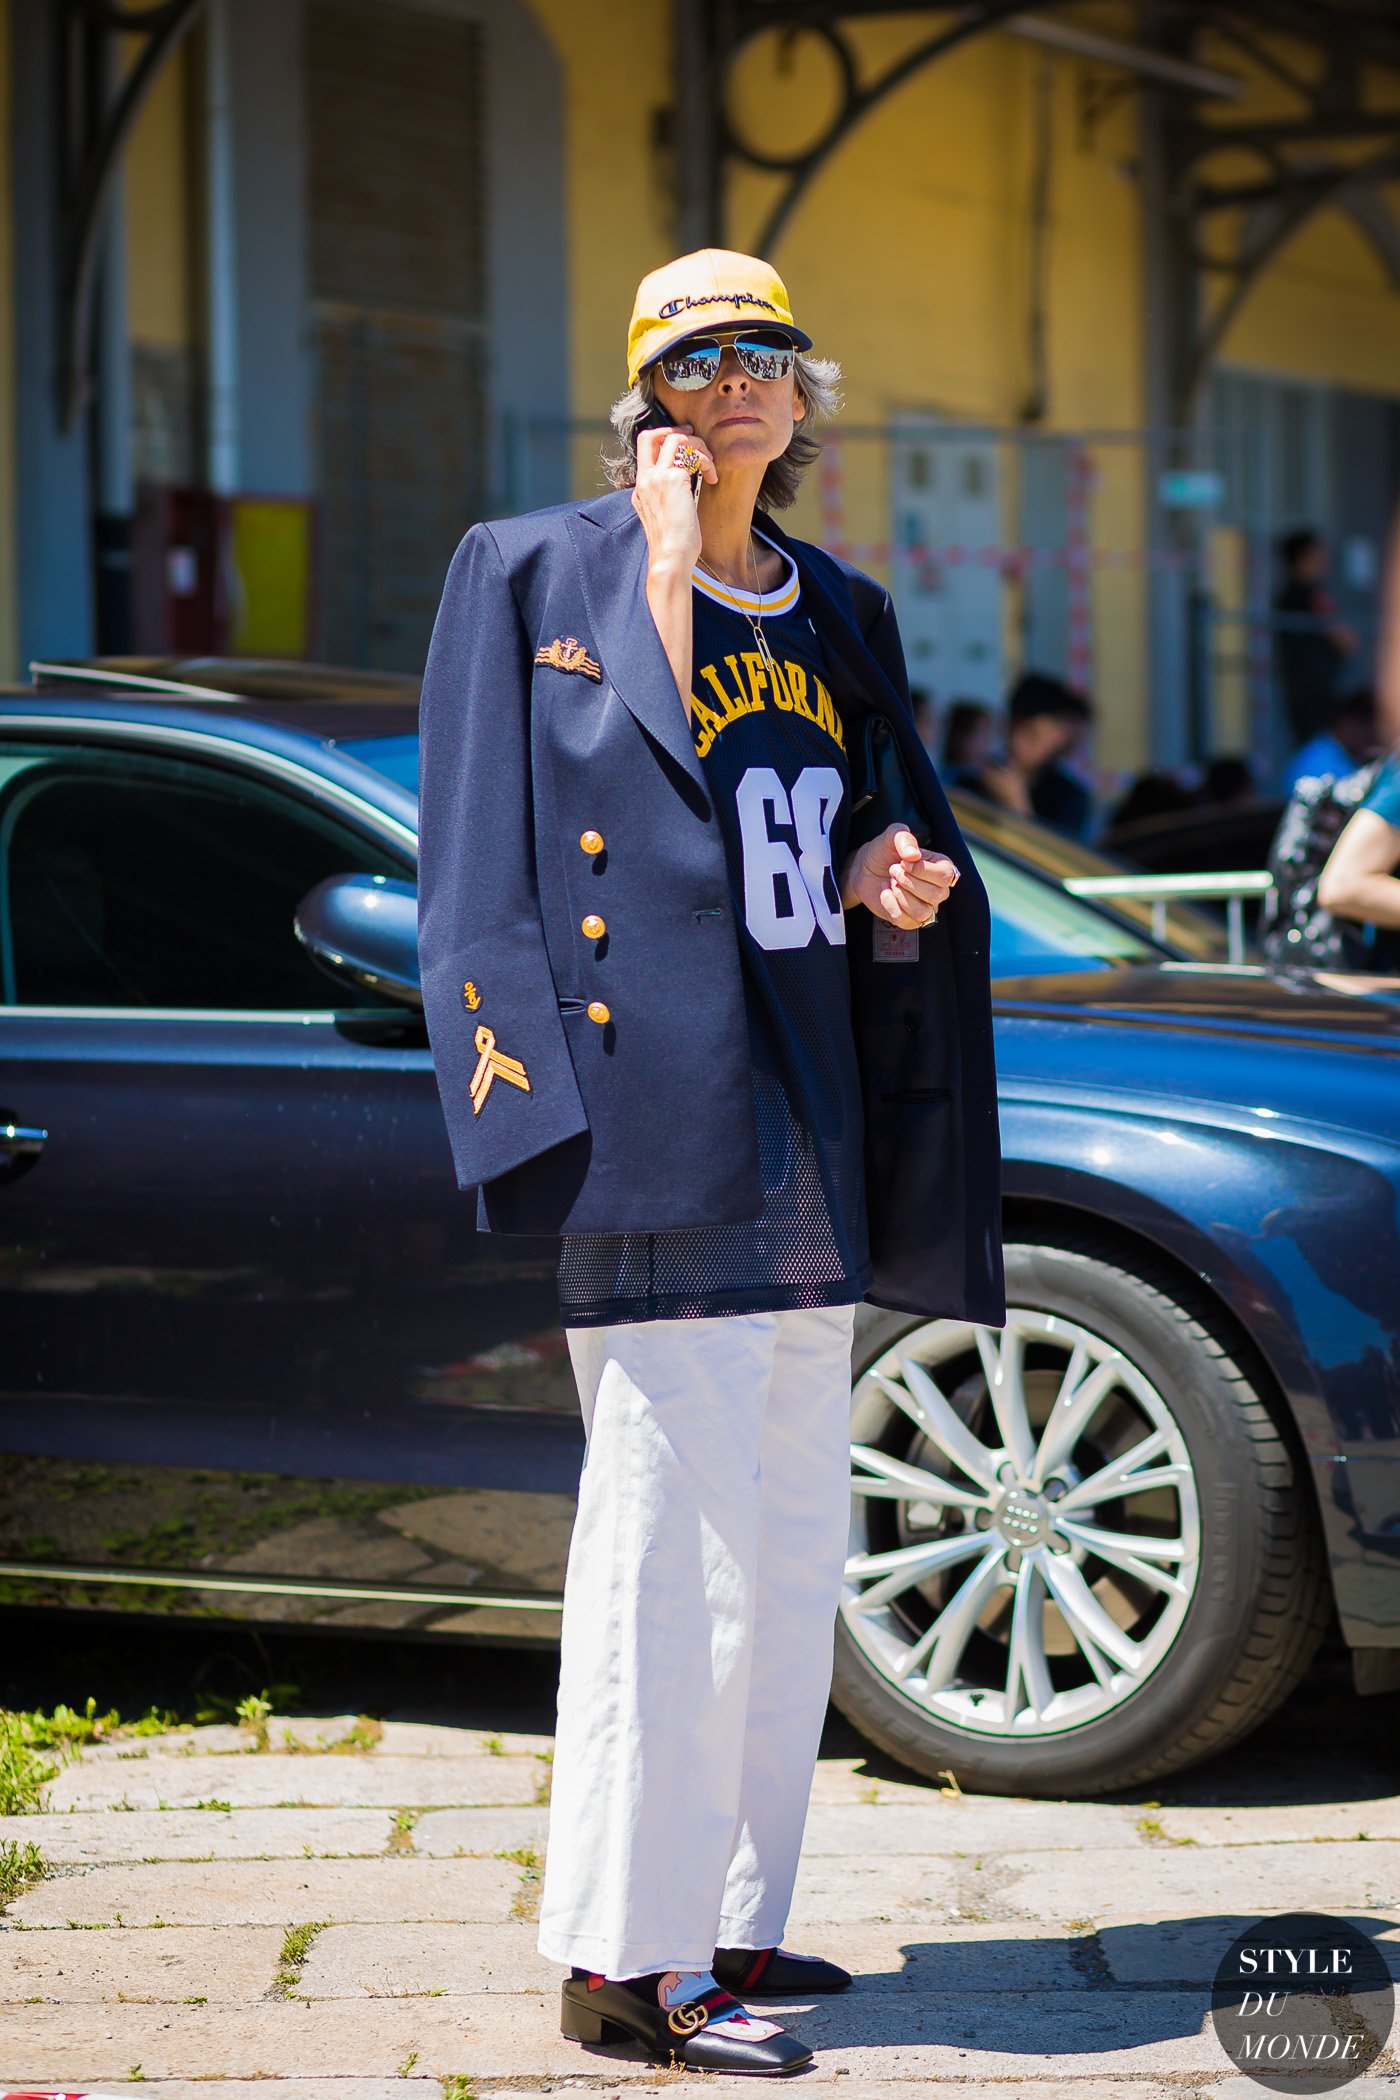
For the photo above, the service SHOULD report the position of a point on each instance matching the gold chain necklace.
(755, 620)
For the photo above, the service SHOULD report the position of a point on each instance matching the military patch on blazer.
(567, 653)
(895, 944)
(471, 997)
(493, 1064)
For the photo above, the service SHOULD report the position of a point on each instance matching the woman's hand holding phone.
(665, 499)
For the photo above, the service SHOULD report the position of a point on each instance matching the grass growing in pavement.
(457, 2088)
(525, 1903)
(297, 1942)
(33, 1746)
(405, 1821)
(254, 1713)
(20, 1867)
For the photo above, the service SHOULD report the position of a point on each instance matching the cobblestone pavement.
(357, 1924)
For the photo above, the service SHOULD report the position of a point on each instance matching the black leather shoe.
(769, 1972)
(595, 2010)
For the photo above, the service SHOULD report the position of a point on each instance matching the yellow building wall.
(908, 258)
(9, 609)
(156, 213)
(1325, 310)
(618, 73)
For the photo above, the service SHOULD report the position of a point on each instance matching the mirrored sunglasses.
(762, 353)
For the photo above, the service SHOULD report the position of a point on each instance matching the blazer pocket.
(570, 1005)
(918, 1093)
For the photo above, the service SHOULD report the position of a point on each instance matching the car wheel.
(1082, 1554)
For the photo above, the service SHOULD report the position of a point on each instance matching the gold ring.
(688, 458)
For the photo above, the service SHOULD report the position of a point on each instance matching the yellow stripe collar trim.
(779, 600)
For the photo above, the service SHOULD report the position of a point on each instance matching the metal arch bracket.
(858, 98)
(94, 137)
(1278, 202)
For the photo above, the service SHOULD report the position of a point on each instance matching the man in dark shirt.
(1045, 723)
(1311, 645)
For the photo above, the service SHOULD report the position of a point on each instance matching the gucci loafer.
(594, 2010)
(771, 1972)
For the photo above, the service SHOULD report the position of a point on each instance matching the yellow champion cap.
(711, 289)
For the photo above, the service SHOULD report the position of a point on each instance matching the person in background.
(1060, 796)
(1351, 739)
(925, 717)
(1311, 644)
(969, 738)
(1359, 881)
(1227, 783)
(1044, 721)
(1152, 794)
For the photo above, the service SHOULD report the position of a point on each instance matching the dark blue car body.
(257, 1359)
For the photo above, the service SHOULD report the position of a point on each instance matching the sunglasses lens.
(765, 356)
(692, 366)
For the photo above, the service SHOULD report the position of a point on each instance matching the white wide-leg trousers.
(699, 1609)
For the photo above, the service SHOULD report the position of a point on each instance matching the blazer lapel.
(612, 554)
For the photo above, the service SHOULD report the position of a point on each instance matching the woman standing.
(673, 896)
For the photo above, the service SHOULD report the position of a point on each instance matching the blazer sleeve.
(488, 992)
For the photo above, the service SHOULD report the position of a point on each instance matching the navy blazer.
(600, 1081)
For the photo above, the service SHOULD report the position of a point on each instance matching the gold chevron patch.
(493, 1064)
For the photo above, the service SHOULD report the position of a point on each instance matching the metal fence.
(1076, 552)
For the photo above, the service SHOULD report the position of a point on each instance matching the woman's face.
(743, 421)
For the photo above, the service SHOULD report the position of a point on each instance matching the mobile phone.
(655, 418)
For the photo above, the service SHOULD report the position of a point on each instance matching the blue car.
(258, 1364)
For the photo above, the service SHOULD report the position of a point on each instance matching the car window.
(130, 880)
(1191, 932)
(396, 757)
(1039, 928)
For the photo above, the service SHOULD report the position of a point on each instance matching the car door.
(256, 1355)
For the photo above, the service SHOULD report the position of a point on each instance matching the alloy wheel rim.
(1025, 1528)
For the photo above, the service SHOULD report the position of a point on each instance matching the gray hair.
(818, 382)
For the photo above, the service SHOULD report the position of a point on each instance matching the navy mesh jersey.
(774, 756)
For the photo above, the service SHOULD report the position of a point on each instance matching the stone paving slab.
(1100, 2086)
(443, 1833)
(970, 1825)
(401, 1738)
(1253, 1881)
(1187, 1950)
(919, 2035)
(1307, 1823)
(1054, 1886)
(375, 1961)
(244, 1892)
(414, 2087)
(194, 1834)
(359, 1960)
(63, 2046)
(273, 1779)
(74, 1968)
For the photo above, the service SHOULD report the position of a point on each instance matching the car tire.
(1127, 1667)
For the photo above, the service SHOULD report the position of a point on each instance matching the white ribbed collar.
(781, 599)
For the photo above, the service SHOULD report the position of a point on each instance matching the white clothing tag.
(895, 944)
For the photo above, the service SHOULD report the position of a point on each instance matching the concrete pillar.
(259, 383)
(53, 498)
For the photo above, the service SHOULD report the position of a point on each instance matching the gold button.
(595, 927)
(592, 842)
(597, 1011)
